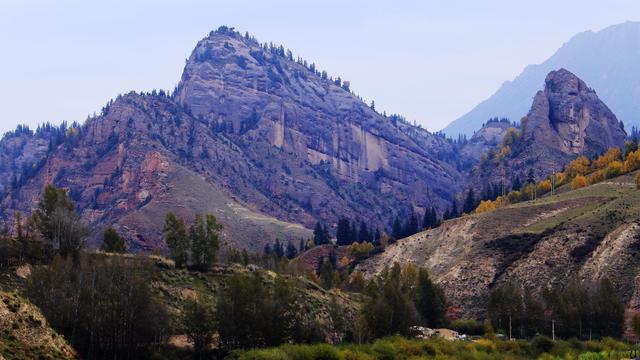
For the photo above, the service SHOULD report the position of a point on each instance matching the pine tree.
(320, 234)
(430, 300)
(278, 249)
(454, 210)
(291, 250)
(396, 231)
(112, 242)
(364, 235)
(411, 225)
(517, 184)
(470, 202)
(531, 179)
(353, 233)
(343, 235)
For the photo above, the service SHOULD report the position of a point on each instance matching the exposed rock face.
(567, 119)
(568, 116)
(574, 236)
(317, 130)
(262, 141)
(487, 137)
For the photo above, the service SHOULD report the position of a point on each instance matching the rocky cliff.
(269, 144)
(566, 119)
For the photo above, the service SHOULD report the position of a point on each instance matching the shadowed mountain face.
(567, 119)
(266, 143)
(608, 60)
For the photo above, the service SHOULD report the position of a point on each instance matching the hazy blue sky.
(428, 60)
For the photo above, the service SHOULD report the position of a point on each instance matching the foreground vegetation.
(484, 348)
(120, 306)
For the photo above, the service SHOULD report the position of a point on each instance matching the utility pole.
(510, 337)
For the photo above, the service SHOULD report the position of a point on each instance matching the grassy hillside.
(583, 235)
(25, 333)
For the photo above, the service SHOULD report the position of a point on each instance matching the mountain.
(488, 136)
(566, 119)
(608, 60)
(267, 143)
(582, 235)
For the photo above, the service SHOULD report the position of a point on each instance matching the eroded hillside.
(584, 234)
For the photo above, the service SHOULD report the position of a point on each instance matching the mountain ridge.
(606, 59)
(269, 134)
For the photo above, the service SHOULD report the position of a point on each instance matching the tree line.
(580, 310)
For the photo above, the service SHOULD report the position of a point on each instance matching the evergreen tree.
(531, 178)
(353, 233)
(364, 235)
(343, 235)
(470, 202)
(454, 210)
(267, 250)
(320, 234)
(430, 301)
(517, 184)
(278, 249)
(112, 242)
(176, 238)
(302, 247)
(291, 251)
(376, 238)
(411, 226)
(396, 230)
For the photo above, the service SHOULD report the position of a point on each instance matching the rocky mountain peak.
(568, 116)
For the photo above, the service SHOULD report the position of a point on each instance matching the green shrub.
(263, 354)
(325, 352)
(298, 352)
(542, 344)
(356, 355)
(384, 350)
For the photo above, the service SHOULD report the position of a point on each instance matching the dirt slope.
(585, 234)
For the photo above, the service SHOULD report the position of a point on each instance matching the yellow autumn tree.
(514, 196)
(638, 181)
(614, 169)
(503, 152)
(597, 176)
(579, 166)
(632, 162)
(544, 187)
(578, 182)
(510, 136)
(488, 205)
(607, 158)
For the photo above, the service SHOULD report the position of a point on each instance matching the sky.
(430, 61)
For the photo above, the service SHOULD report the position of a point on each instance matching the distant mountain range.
(270, 145)
(607, 60)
